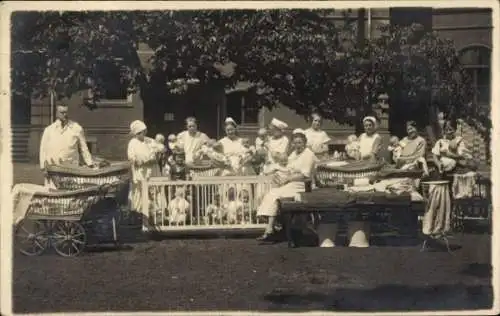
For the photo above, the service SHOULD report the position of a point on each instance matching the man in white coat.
(63, 142)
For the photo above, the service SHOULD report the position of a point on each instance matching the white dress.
(303, 163)
(191, 144)
(277, 146)
(366, 143)
(316, 139)
(142, 157)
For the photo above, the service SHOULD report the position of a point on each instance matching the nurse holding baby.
(301, 164)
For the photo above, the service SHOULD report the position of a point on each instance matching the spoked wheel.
(31, 237)
(69, 238)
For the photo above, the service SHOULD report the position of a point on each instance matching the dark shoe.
(265, 237)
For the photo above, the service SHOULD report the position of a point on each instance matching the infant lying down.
(396, 186)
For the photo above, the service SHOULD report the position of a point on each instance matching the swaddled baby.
(178, 207)
(278, 169)
(352, 147)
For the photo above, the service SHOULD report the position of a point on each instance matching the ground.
(239, 274)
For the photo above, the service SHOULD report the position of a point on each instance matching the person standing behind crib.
(63, 142)
(191, 140)
(144, 164)
(450, 150)
(278, 143)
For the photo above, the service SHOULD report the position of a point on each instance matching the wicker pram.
(57, 219)
(74, 178)
(329, 176)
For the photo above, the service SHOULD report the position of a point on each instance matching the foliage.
(297, 57)
(65, 47)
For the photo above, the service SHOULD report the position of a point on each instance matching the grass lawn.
(238, 274)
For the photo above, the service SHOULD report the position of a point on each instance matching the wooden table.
(333, 205)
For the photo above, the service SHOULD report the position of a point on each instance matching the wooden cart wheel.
(31, 237)
(69, 238)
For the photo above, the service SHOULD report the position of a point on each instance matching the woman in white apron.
(370, 141)
(301, 164)
(317, 139)
(142, 154)
(191, 140)
(232, 148)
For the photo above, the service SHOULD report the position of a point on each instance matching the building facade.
(107, 126)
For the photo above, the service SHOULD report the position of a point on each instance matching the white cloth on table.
(22, 194)
(303, 163)
(437, 217)
(142, 156)
(191, 143)
(464, 185)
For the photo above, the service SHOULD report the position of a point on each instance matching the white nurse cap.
(279, 124)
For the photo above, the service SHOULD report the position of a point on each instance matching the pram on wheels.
(84, 209)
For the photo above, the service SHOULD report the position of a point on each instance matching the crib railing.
(203, 203)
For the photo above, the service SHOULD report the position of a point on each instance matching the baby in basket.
(352, 147)
(178, 207)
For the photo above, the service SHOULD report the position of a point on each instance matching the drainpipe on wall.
(52, 105)
(369, 22)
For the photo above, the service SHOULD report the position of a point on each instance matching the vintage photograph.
(276, 160)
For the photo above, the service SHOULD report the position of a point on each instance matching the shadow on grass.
(384, 298)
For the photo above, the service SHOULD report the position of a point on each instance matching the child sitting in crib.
(352, 147)
(178, 207)
(214, 212)
(232, 207)
(245, 213)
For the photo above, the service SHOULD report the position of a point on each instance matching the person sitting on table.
(63, 143)
(317, 139)
(413, 148)
(451, 150)
(301, 162)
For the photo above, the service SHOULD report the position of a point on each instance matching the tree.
(63, 48)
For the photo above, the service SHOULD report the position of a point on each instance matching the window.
(110, 81)
(477, 61)
(242, 106)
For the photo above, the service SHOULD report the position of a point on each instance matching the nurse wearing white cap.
(232, 146)
(278, 142)
(142, 156)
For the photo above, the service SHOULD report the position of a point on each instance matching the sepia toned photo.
(279, 159)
